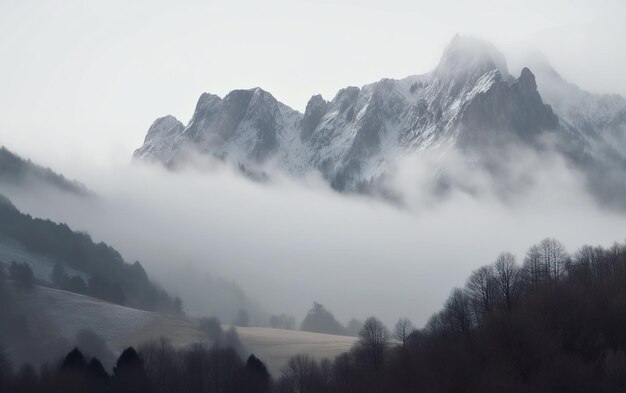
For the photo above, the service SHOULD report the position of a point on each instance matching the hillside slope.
(18, 172)
(69, 313)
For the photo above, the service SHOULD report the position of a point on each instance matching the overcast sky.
(83, 80)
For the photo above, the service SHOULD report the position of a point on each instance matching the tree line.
(156, 367)
(16, 170)
(110, 277)
(553, 323)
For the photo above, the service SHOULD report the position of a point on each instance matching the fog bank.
(288, 243)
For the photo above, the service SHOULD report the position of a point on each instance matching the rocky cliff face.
(469, 101)
(246, 126)
(161, 140)
(593, 129)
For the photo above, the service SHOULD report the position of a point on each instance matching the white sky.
(83, 80)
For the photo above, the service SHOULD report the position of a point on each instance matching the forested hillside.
(109, 276)
(555, 323)
(14, 170)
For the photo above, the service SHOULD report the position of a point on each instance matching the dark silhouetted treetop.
(256, 366)
(128, 362)
(74, 360)
(96, 369)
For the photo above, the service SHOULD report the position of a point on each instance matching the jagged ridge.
(469, 100)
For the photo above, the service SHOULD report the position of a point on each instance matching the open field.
(68, 313)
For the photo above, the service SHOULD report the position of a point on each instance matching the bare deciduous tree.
(373, 339)
(508, 278)
(456, 315)
(300, 375)
(403, 329)
(584, 264)
(482, 289)
(554, 259)
(533, 267)
(162, 364)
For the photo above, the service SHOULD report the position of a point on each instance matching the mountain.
(577, 109)
(594, 126)
(16, 171)
(469, 101)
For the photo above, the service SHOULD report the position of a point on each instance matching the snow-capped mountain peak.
(470, 57)
(469, 100)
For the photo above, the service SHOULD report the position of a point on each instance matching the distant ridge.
(17, 171)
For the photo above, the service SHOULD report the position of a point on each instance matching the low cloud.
(289, 243)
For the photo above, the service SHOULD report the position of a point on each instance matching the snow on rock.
(468, 100)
